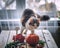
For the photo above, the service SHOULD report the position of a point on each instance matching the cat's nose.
(35, 25)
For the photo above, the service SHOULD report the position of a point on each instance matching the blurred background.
(10, 16)
(7, 4)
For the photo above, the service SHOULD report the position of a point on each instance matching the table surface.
(44, 35)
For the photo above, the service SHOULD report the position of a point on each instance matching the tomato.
(19, 37)
(32, 39)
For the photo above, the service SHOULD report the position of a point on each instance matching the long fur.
(30, 20)
(26, 15)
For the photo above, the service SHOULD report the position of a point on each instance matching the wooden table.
(46, 36)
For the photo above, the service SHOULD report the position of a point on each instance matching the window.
(37, 1)
(12, 14)
(4, 25)
(3, 14)
(7, 4)
(11, 25)
(42, 6)
(51, 23)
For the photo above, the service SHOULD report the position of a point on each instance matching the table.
(44, 35)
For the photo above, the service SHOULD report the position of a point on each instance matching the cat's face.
(33, 22)
(30, 20)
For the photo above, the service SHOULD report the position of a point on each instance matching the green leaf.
(12, 44)
(41, 42)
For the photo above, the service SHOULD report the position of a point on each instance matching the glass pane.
(7, 4)
(51, 23)
(12, 14)
(37, 0)
(4, 25)
(3, 14)
(16, 23)
(43, 7)
(10, 25)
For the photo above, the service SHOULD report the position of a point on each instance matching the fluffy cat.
(30, 20)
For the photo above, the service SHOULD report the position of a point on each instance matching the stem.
(32, 32)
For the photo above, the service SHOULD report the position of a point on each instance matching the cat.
(30, 20)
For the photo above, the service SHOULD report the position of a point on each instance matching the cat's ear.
(44, 18)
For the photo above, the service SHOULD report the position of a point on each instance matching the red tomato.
(19, 37)
(32, 39)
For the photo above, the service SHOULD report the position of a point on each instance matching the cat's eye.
(37, 24)
(31, 24)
